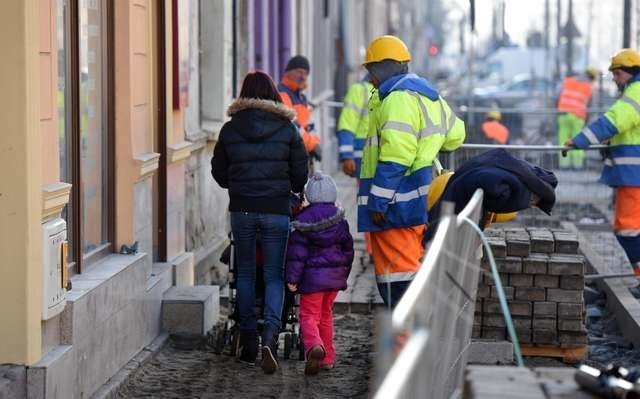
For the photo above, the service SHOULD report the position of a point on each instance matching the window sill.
(147, 164)
(54, 197)
(179, 151)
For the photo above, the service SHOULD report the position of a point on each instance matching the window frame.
(81, 259)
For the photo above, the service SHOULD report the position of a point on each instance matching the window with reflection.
(86, 151)
(62, 100)
(93, 130)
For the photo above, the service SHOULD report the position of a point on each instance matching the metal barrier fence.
(435, 315)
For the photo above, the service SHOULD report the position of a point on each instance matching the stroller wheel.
(288, 345)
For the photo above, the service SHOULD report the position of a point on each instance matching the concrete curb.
(110, 389)
(619, 298)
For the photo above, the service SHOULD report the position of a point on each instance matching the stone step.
(190, 310)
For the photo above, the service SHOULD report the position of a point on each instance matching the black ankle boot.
(270, 350)
(248, 346)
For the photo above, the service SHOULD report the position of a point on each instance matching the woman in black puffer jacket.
(261, 159)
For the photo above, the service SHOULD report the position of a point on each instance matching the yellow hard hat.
(593, 72)
(625, 58)
(494, 114)
(436, 188)
(387, 47)
(504, 217)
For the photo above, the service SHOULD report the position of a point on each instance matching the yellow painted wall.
(48, 92)
(20, 183)
(134, 106)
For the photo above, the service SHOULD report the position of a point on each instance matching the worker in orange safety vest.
(494, 131)
(572, 112)
(293, 83)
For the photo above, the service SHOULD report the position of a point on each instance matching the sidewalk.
(361, 293)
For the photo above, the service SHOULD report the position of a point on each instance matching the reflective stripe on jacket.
(353, 123)
(621, 126)
(406, 132)
(298, 101)
(575, 96)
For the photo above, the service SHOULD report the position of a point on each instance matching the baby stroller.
(289, 339)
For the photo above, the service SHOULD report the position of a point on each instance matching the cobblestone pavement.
(199, 373)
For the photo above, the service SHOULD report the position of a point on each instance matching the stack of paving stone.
(543, 279)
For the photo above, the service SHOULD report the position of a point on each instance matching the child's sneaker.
(314, 356)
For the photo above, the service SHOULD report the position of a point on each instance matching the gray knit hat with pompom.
(321, 188)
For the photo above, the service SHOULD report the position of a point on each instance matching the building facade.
(111, 113)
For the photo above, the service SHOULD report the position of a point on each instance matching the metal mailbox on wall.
(54, 265)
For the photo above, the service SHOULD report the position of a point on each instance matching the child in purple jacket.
(318, 264)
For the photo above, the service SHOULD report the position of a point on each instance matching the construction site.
(479, 162)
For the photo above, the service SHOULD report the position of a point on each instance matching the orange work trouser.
(397, 250)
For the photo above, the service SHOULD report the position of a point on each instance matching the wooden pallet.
(568, 355)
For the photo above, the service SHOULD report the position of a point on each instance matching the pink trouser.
(316, 323)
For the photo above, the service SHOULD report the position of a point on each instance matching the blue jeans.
(274, 233)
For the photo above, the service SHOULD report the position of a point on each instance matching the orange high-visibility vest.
(496, 131)
(575, 96)
(303, 118)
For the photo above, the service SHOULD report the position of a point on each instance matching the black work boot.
(270, 349)
(248, 346)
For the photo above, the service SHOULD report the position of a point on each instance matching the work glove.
(349, 167)
(569, 143)
(378, 218)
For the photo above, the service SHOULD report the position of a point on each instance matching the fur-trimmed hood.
(320, 218)
(258, 120)
(279, 109)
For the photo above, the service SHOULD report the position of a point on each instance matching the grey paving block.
(484, 291)
(530, 293)
(569, 339)
(509, 292)
(572, 282)
(476, 331)
(504, 279)
(498, 247)
(546, 281)
(510, 264)
(492, 233)
(570, 325)
(570, 310)
(493, 320)
(565, 242)
(542, 241)
(518, 244)
(497, 333)
(545, 336)
(566, 265)
(545, 309)
(523, 335)
(520, 308)
(190, 310)
(544, 323)
(560, 295)
(520, 280)
(491, 306)
(521, 323)
(483, 351)
(535, 264)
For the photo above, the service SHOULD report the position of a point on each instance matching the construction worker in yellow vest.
(353, 126)
(409, 124)
(574, 99)
(620, 127)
